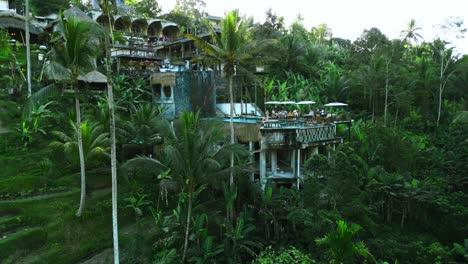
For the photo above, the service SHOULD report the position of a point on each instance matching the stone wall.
(191, 91)
(204, 93)
(182, 93)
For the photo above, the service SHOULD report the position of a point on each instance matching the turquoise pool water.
(242, 120)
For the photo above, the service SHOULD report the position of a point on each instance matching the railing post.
(263, 168)
(252, 159)
(298, 167)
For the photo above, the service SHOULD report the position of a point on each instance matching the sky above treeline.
(348, 18)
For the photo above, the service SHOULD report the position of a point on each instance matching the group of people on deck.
(284, 114)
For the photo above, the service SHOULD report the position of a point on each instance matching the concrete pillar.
(299, 163)
(293, 162)
(274, 161)
(298, 167)
(316, 151)
(183, 51)
(293, 158)
(251, 159)
(263, 168)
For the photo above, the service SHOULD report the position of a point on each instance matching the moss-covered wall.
(204, 93)
(192, 91)
(182, 93)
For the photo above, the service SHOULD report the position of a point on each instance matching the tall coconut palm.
(28, 49)
(193, 154)
(231, 50)
(109, 8)
(411, 32)
(75, 47)
(447, 67)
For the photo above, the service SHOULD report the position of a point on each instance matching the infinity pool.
(241, 120)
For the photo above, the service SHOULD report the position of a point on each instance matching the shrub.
(290, 255)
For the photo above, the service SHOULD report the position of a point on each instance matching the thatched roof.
(10, 19)
(93, 77)
(163, 78)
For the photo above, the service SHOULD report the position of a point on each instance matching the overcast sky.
(348, 18)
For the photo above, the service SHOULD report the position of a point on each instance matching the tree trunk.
(403, 216)
(442, 71)
(13, 73)
(386, 97)
(28, 50)
(110, 98)
(231, 127)
(241, 97)
(440, 102)
(187, 227)
(80, 150)
(396, 117)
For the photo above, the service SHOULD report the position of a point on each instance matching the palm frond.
(39, 97)
(142, 161)
(98, 152)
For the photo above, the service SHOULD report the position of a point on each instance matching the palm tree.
(75, 47)
(142, 126)
(340, 245)
(443, 57)
(410, 33)
(232, 50)
(28, 49)
(193, 154)
(94, 141)
(108, 8)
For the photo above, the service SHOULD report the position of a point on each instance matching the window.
(136, 29)
(157, 91)
(167, 92)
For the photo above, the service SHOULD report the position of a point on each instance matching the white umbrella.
(272, 102)
(287, 102)
(305, 102)
(336, 104)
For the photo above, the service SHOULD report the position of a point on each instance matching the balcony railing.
(289, 132)
(283, 124)
(316, 133)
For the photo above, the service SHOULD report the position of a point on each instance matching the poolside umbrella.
(272, 102)
(336, 104)
(305, 102)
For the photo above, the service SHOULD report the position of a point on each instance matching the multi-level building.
(155, 50)
(15, 23)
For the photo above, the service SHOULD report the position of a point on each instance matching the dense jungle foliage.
(395, 192)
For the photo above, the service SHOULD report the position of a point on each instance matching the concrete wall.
(182, 93)
(4, 5)
(192, 91)
(204, 93)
